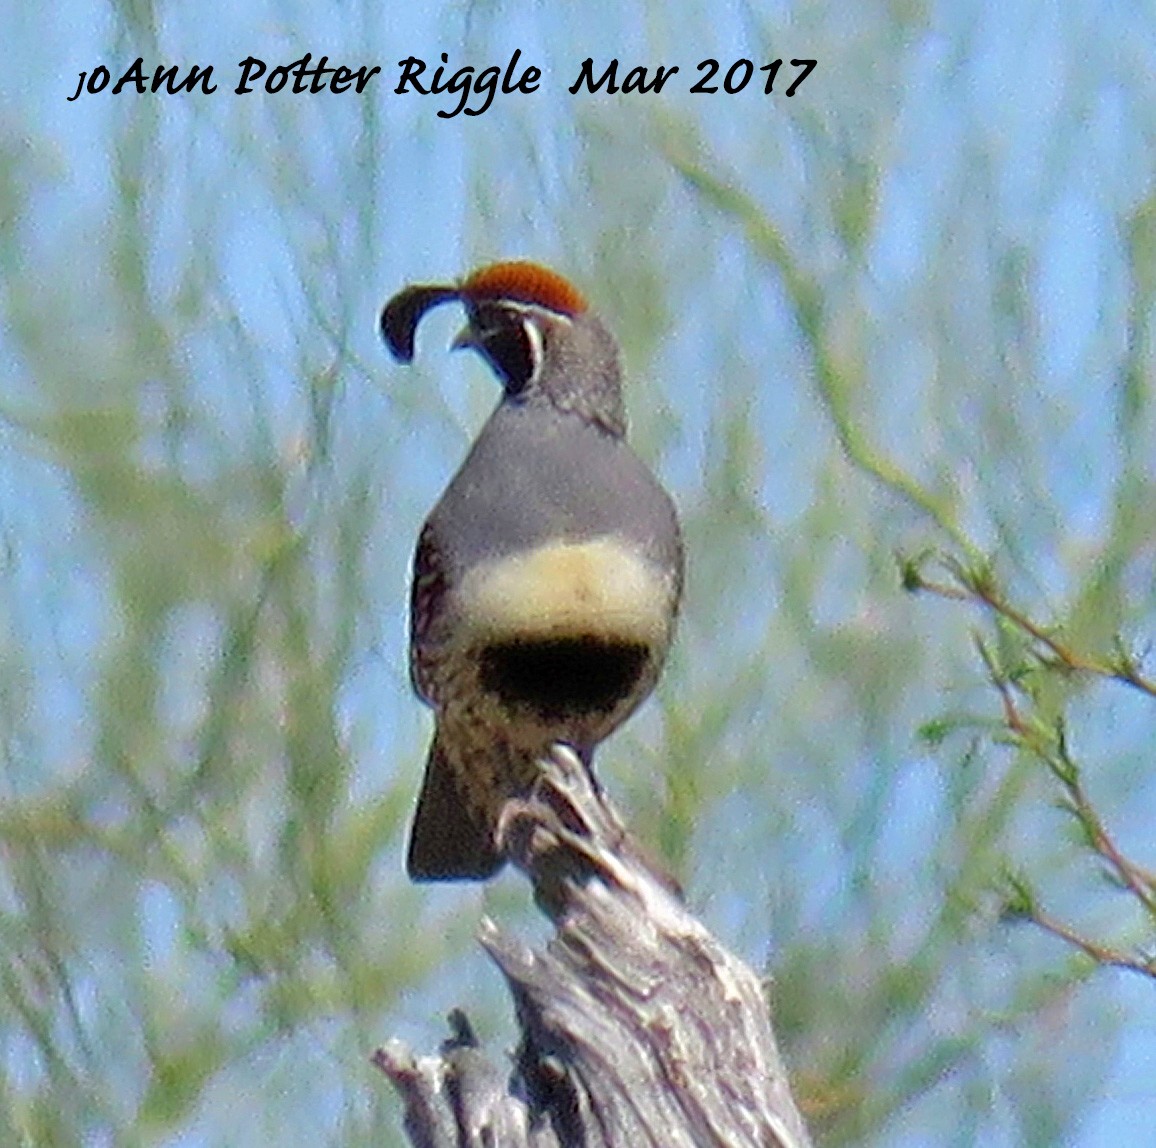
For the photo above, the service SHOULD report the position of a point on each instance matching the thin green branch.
(975, 584)
(1022, 906)
(1048, 741)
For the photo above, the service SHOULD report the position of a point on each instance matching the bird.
(547, 580)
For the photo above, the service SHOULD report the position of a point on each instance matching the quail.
(547, 579)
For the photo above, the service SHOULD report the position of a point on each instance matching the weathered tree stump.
(638, 1027)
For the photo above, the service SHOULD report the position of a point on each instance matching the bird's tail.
(455, 825)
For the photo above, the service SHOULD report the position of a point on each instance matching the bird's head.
(533, 328)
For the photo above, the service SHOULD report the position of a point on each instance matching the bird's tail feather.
(452, 838)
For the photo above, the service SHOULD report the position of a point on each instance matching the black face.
(503, 336)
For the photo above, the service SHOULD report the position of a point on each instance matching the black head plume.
(401, 315)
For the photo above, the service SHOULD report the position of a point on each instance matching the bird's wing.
(427, 595)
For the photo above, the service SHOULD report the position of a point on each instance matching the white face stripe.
(537, 348)
(535, 309)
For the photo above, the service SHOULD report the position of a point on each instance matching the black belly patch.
(563, 677)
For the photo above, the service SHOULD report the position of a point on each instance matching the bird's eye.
(515, 349)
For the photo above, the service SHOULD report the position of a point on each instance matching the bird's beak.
(466, 340)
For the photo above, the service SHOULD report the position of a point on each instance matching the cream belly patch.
(597, 588)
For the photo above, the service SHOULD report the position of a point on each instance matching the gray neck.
(581, 374)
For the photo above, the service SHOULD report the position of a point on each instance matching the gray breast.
(536, 475)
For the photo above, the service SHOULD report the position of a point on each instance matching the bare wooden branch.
(638, 1028)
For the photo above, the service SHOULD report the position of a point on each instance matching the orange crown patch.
(524, 282)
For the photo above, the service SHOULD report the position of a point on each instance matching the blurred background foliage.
(905, 312)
